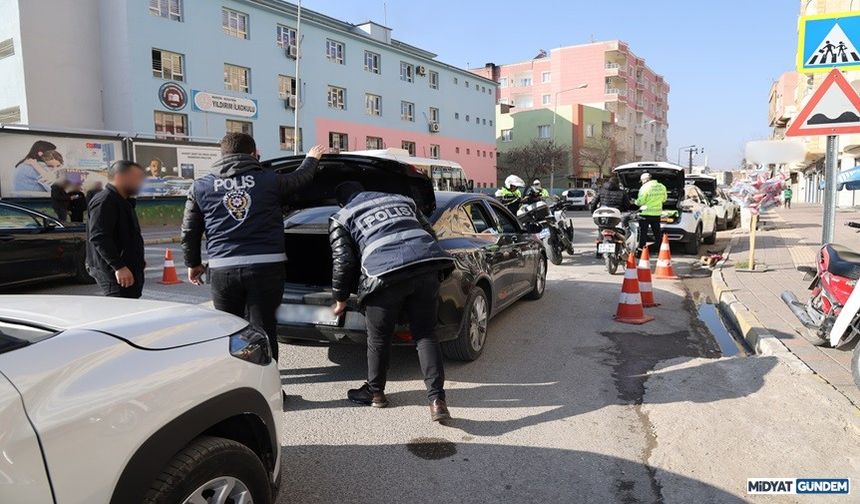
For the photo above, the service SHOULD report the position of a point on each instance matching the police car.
(728, 212)
(688, 216)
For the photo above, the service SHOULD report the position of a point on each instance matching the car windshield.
(577, 193)
(14, 335)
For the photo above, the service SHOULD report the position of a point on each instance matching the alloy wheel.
(478, 323)
(223, 490)
(540, 283)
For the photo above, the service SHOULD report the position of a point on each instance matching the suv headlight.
(252, 345)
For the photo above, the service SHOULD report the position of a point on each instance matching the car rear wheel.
(712, 238)
(473, 334)
(692, 246)
(540, 281)
(212, 470)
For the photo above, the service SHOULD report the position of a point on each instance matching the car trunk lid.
(708, 185)
(672, 178)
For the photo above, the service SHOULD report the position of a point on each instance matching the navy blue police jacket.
(239, 207)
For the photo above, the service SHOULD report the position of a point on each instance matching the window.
(483, 89)
(456, 150)
(545, 99)
(506, 223)
(338, 141)
(491, 122)
(408, 146)
(468, 151)
(407, 71)
(237, 78)
(467, 117)
(336, 97)
(168, 9)
(546, 77)
(285, 36)
(481, 220)
(434, 114)
(524, 101)
(466, 83)
(435, 151)
(169, 124)
(334, 51)
(544, 131)
(234, 126)
(456, 80)
(375, 143)
(167, 65)
(503, 82)
(12, 218)
(484, 122)
(407, 111)
(371, 62)
(286, 86)
(454, 222)
(234, 23)
(589, 130)
(7, 48)
(526, 81)
(288, 138)
(433, 79)
(507, 135)
(373, 104)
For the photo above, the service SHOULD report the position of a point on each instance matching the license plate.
(606, 248)
(544, 233)
(307, 314)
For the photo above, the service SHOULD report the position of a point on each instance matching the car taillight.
(607, 232)
(403, 336)
(251, 345)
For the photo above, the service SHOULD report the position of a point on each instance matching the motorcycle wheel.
(553, 251)
(611, 263)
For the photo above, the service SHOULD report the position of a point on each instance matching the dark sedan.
(497, 262)
(35, 247)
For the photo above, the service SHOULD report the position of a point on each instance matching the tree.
(534, 160)
(603, 153)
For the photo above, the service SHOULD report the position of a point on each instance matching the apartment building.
(605, 75)
(198, 68)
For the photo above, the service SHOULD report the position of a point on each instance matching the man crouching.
(386, 241)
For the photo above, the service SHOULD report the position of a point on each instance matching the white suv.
(728, 212)
(119, 401)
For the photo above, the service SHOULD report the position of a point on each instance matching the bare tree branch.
(534, 160)
(603, 153)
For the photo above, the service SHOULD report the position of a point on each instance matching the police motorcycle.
(617, 236)
(549, 220)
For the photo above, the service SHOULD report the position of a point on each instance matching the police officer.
(239, 207)
(511, 195)
(385, 238)
(652, 195)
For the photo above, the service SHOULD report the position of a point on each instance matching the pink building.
(782, 103)
(606, 75)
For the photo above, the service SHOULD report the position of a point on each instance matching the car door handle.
(6, 237)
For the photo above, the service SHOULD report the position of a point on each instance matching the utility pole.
(296, 136)
(691, 150)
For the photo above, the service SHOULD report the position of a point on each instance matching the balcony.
(613, 91)
(615, 69)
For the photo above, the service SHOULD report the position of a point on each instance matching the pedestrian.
(239, 206)
(115, 256)
(652, 195)
(787, 193)
(60, 199)
(77, 203)
(95, 189)
(611, 195)
(383, 240)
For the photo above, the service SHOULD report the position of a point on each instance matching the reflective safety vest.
(504, 192)
(652, 195)
(388, 234)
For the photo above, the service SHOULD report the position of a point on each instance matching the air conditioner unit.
(421, 69)
(434, 127)
(291, 51)
(290, 102)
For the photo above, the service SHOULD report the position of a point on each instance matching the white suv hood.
(148, 324)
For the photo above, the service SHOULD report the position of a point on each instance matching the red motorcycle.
(831, 312)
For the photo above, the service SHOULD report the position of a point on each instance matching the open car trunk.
(708, 185)
(672, 178)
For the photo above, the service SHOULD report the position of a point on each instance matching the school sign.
(828, 41)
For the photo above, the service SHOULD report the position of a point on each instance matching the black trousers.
(252, 292)
(418, 298)
(646, 221)
(787, 202)
(106, 280)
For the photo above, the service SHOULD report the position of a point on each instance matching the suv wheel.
(692, 246)
(473, 335)
(212, 469)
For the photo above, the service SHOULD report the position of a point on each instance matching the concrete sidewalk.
(786, 239)
(155, 235)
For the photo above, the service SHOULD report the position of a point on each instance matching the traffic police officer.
(652, 195)
(240, 208)
(387, 239)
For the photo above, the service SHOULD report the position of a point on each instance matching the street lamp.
(554, 116)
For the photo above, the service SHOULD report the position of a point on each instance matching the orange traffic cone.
(664, 269)
(630, 310)
(168, 276)
(644, 273)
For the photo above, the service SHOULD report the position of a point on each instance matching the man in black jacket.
(387, 239)
(611, 195)
(239, 206)
(115, 255)
(60, 199)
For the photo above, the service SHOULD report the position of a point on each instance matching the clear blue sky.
(719, 56)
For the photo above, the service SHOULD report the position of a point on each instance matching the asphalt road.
(565, 405)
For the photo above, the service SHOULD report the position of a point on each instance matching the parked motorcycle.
(617, 236)
(831, 312)
(552, 225)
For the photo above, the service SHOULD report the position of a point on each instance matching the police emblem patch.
(237, 202)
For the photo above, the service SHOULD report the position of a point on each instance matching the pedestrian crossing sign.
(828, 41)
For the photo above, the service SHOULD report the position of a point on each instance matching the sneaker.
(439, 410)
(364, 396)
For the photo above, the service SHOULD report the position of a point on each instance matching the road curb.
(748, 325)
(161, 241)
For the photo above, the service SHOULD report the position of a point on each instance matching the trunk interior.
(309, 259)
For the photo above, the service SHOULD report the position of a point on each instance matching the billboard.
(171, 168)
(31, 162)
